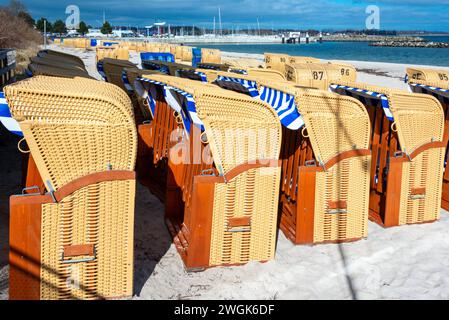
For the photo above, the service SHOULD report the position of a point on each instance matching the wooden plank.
(25, 249)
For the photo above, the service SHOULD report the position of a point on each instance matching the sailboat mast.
(219, 21)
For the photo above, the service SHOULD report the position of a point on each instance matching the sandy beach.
(409, 262)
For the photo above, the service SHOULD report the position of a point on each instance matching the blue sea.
(360, 51)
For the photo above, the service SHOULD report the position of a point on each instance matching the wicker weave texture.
(253, 194)
(210, 56)
(276, 61)
(102, 215)
(425, 171)
(313, 75)
(430, 77)
(347, 181)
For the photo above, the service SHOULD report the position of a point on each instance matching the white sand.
(409, 262)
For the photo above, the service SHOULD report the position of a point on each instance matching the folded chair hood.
(281, 102)
(204, 105)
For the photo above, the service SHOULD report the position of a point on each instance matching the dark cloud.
(395, 14)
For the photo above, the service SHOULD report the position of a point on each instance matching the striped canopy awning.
(100, 70)
(369, 95)
(282, 103)
(285, 107)
(249, 86)
(5, 117)
(186, 109)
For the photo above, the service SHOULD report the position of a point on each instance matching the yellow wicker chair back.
(210, 56)
(276, 61)
(186, 54)
(313, 75)
(122, 53)
(347, 71)
(429, 77)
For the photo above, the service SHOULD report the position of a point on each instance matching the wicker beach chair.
(313, 75)
(325, 159)
(348, 71)
(408, 153)
(113, 69)
(186, 55)
(76, 240)
(276, 61)
(210, 56)
(221, 211)
(434, 82)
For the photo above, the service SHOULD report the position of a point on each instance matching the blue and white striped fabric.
(285, 107)
(190, 106)
(6, 119)
(126, 82)
(189, 115)
(202, 75)
(239, 71)
(251, 86)
(149, 95)
(370, 95)
(438, 91)
(101, 70)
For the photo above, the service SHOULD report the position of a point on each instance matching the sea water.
(360, 51)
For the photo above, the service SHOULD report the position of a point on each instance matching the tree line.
(18, 9)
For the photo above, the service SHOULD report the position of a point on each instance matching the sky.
(430, 15)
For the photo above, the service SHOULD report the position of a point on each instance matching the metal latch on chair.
(76, 251)
(208, 172)
(337, 207)
(418, 193)
(310, 163)
(25, 193)
(242, 224)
